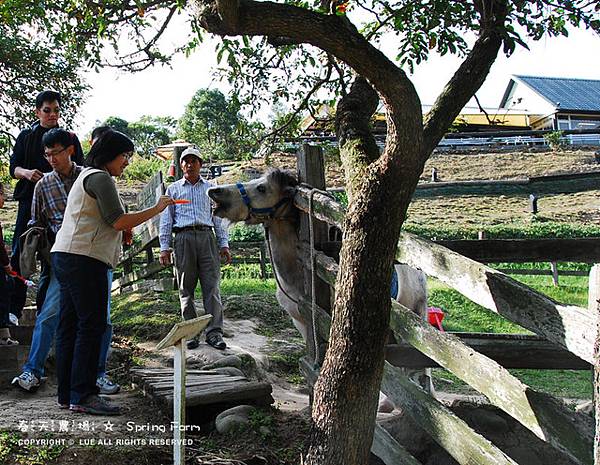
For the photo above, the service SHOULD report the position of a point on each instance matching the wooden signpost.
(177, 338)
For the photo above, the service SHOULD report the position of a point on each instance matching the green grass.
(533, 230)
(10, 449)
(150, 315)
(242, 286)
(464, 315)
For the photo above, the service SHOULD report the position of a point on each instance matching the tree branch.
(264, 18)
(469, 77)
(337, 36)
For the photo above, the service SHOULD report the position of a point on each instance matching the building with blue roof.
(555, 103)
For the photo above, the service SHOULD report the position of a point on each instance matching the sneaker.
(95, 405)
(106, 386)
(7, 341)
(62, 406)
(27, 381)
(13, 319)
(193, 343)
(215, 339)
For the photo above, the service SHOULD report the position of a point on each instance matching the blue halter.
(259, 213)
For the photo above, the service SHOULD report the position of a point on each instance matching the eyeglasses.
(51, 110)
(53, 154)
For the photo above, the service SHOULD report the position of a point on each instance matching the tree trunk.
(346, 393)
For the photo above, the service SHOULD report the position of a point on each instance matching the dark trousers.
(6, 286)
(17, 300)
(42, 286)
(82, 322)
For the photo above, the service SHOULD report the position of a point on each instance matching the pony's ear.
(289, 192)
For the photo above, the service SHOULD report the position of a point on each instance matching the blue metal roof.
(566, 94)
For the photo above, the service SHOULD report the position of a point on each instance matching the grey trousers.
(197, 258)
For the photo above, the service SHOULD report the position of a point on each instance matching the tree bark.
(379, 186)
(346, 393)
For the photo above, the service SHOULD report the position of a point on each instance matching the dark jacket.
(28, 153)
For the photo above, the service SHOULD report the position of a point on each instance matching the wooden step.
(204, 388)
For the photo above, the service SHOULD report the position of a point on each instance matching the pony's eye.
(261, 188)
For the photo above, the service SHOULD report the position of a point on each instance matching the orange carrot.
(182, 201)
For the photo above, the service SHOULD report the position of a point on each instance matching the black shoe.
(95, 405)
(193, 343)
(215, 339)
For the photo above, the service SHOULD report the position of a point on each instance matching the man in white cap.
(200, 242)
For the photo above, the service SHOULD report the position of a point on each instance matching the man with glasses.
(47, 211)
(28, 165)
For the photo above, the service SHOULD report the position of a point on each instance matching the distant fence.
(495, 139)
(548, 185)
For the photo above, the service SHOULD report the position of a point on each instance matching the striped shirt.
(50, 199)
(197, 212)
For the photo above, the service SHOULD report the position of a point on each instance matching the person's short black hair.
(47, 96)
(1, 189)
(57, 136)
(108, 147)
(99, 131)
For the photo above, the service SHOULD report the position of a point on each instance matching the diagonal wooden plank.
(570, 327)
(384, 445)
(545, 416)
(447, 429)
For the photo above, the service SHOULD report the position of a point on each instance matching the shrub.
(142, 169)
(554, 140)
(246, 233)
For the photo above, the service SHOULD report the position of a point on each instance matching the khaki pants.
(197, 259)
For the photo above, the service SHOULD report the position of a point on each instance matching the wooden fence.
(565, 337)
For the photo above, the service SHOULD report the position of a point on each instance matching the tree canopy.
(213, 122)
(147, 133)
(30, 64)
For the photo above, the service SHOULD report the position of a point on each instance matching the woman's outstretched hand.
(163, 202)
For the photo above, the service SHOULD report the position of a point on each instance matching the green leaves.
(212, 122)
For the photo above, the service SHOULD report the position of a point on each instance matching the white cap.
(190, 151)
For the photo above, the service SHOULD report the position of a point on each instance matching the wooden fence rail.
(570, 327)
(545, 416)
(555, 184)
(584, 250)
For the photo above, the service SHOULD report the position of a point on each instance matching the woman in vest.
(86, 246)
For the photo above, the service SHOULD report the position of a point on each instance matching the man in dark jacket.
(28, 165)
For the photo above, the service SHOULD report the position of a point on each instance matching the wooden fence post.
(554, 268)
(594, 307)
(311, 170)
(263, 261)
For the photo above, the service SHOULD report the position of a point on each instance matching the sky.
(162, 91)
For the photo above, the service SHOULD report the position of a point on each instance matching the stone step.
(22, 333)
(28, 316)
(12, 359)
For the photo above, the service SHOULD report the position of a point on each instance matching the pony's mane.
(283, 178)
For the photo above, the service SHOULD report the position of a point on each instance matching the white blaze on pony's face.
(264, 196)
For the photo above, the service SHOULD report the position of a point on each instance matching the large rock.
(227, 361)
(234, 417)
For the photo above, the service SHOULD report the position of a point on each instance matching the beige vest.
(84, 231)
